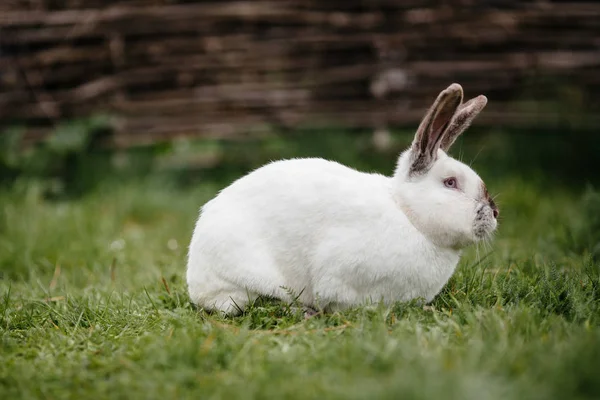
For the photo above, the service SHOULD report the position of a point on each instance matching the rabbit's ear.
(430, 133)
(463, 118)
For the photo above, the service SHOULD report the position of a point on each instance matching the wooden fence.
(229, 68)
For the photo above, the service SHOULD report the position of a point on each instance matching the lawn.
(93, 304)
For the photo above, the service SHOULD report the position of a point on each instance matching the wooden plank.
(249, 10)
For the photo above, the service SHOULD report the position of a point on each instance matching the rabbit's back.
(301, 188)
(289, 206)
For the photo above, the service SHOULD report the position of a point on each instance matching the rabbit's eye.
(451, 183)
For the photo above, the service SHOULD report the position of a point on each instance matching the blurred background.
(205, 90)
(120, 119)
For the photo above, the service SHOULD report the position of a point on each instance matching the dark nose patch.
(490, 201)
(495, 210)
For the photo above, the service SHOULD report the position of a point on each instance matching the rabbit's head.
(442, 197)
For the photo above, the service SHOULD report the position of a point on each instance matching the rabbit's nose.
(494, 208)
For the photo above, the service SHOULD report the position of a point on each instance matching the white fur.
(335, 236)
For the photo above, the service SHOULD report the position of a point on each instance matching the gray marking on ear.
(431, 131)
(462, 120)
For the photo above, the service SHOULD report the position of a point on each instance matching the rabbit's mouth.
(485, 222)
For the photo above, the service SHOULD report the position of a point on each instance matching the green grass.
(93, 304)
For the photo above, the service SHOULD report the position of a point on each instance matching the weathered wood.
(222, 68)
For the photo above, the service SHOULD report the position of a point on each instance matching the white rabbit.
(337, 237)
